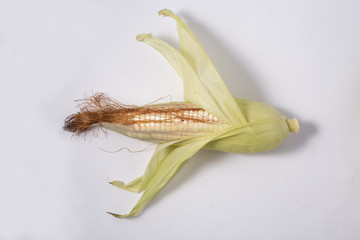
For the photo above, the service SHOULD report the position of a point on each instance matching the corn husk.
(253, 126)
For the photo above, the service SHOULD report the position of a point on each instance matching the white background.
(302, 57)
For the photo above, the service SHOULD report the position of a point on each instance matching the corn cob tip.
(95, 110)
(293, 125)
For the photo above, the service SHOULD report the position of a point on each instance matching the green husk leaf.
(254, 127)
(203, 85)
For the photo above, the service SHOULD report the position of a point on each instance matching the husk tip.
(166, 13)
(142, 37)
(118, 215)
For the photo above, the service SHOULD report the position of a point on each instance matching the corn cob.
(166, 122)
(155, 123)
(210, 118)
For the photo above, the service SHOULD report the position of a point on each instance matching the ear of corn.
(210, 119)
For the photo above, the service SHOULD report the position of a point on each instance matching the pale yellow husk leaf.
(254, 127)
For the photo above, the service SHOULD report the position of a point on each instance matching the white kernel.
(136, 118)
(206, 114)
(147, 116)
(162, 116)
(211, 117)
(216, 119)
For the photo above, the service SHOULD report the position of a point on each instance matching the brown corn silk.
(209, 119)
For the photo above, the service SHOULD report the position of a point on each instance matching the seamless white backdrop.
(302, 57)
